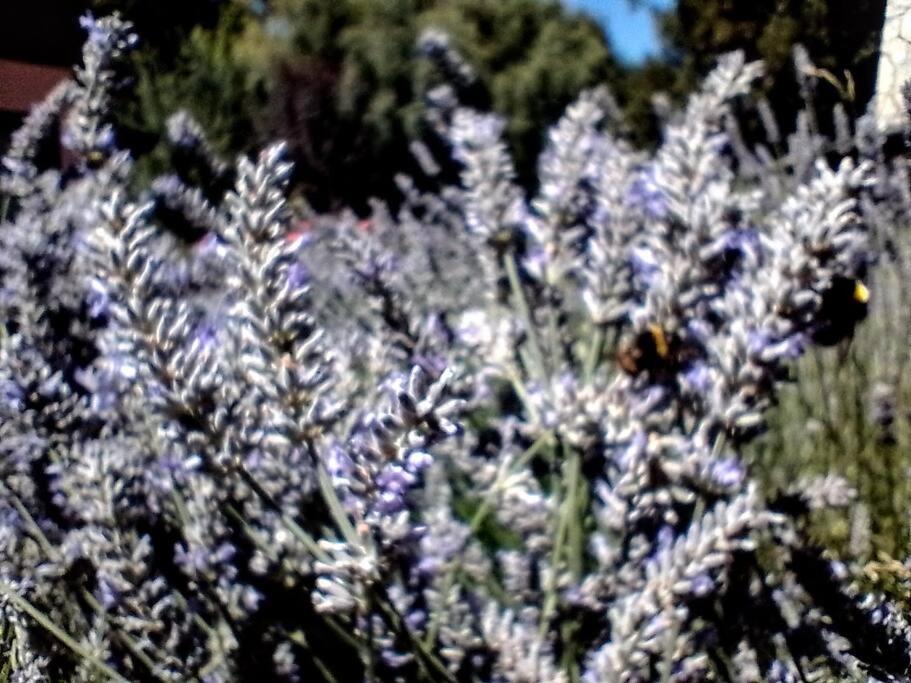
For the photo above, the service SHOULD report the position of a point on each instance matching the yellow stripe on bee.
(861, 293)
(661, 347)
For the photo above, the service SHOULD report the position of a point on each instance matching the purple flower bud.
(208, 244)
(250, 598)
(96, 33)
(98, 300)
(108, 596)
(418, 461)
(632, 451)
(390, 503)
(644, 265)
(298, 275)
(432, 364)
(224, 552)
(697, 378)
(778, 673)
(701, 585)
(645, 194)
(11, 394)
(535, 262)
(428, 566)
(763, 347)
(339, 463)
(727, 473)
(394, 659)
(757, 342)
(743, 242)
(394, 479)
(192, 560)
(416, 619)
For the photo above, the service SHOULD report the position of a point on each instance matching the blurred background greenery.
(338, 78)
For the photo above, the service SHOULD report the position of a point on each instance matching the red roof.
(22, 85)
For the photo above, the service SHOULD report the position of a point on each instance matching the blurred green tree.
(340, 80)
(841, 36)
(185, 61)
(532, 57)
(345, 89)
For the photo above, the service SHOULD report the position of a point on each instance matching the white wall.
(894, 64)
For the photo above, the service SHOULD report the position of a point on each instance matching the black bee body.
(655, 353)
(844, 304)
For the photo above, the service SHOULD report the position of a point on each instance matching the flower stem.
(58, 633)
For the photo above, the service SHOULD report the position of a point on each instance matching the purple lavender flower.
(100, 35)
(98, 300)
(206, 334)
(632, 451)
(644, 193)
(664, 540)
(762, 346)
(743, 242)
(644, 265)
(12, 395)
(298, 275)
(339, 464)
(392, 486)
(697, 378)
(418, 461)
(757, 342)
(628, 467)
(728, 473)
(96, 33)
(701, 585)
(536, 262)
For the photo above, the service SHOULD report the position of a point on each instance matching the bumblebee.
(95, 159)
(844, 304)
(652, 351)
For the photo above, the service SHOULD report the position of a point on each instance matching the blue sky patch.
(632, 30)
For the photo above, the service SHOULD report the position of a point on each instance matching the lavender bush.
(847, 410)
(483, 437)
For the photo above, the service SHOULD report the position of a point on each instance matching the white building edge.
(894, 65)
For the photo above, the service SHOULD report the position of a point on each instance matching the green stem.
(52, 553)
(425, 657)
(516, 382)
(341, 632)
(512, 273)
(475, 524)
(300, 639)
(367, 647)
(569, 544)
(305, 538)
(594, 353)
(339, 516)
(124, 638)
(31, 524)
(574, 510)
(58, 633)
(550, 591)
(481, 513)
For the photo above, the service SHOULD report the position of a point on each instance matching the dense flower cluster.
(480, 437)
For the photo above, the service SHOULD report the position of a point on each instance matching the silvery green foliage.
(482, 437)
